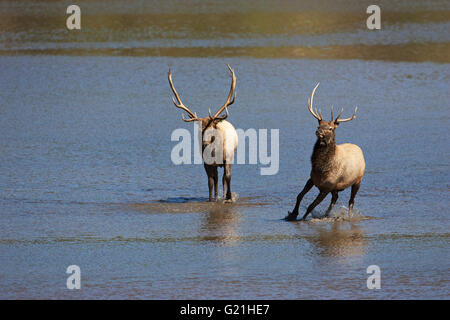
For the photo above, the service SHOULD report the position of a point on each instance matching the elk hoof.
(290, 217)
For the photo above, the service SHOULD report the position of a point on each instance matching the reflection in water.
(220, 227)
(191, 205)
(220, 224)
(338, 239)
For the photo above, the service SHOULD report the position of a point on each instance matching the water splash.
(234, 198)
(340, 214)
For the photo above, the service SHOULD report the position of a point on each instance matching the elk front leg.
(318, 200)
(293, 215)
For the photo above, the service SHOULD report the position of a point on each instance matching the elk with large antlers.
(334, 167)
(215, 128)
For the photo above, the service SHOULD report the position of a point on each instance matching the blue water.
(86, 176)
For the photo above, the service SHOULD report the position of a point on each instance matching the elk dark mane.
(321, 156)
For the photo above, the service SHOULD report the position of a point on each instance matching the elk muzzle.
(320, 134)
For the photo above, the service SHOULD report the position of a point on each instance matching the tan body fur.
(347, 168)
(229, 138)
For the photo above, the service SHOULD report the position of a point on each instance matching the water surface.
(86, 176)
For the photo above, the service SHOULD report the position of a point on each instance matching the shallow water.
(86, 176)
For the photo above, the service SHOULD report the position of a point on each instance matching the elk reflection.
(340, 239)
(220, 223)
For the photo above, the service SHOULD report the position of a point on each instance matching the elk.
(224, 134)
(334, 167)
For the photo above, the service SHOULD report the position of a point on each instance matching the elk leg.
(223, 184)
(227, 173)
(293, 215)
(210, 174)
(318, 200)
(333, 202)
(355, 189)
(210, 186)
(216, 180)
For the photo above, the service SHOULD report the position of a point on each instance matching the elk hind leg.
(227, 176)
(224, 185)
(318, 200)
(216, 180)
(355, 189)
(334, 198)
(210, 173)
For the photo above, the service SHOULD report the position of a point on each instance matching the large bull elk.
(334, 167)
(223, 131)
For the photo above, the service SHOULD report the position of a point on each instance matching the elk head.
(211, 120)
(325, 131)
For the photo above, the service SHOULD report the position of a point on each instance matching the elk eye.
(330, 128)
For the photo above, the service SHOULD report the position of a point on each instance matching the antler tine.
(318, 113)
(190, 119)
(332, 115)
(338, 120)
(340, 113)
(178, 103)
(310, 104)
(225, 116)
(231, 96)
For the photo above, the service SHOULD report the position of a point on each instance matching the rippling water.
(85, 170)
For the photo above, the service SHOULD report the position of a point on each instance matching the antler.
(230, 99)
(180, 104)
(220, 118)
(317, 115)
(338, 120)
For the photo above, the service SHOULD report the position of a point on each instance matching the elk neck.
(323, 156)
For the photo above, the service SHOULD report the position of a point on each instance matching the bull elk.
(334, 167)
(223, 130)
